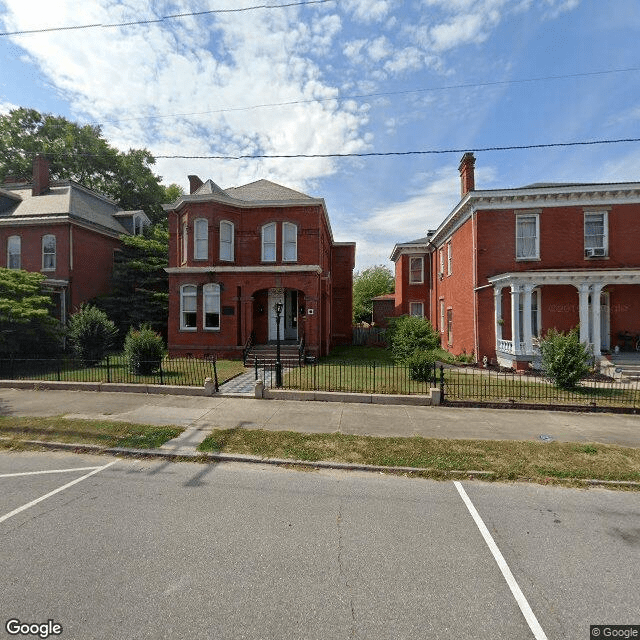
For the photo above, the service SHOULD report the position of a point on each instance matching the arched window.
(269, 242)
(49, 253)
(13, 252)
(226, 240)
(289, 242)
(200, 239)
(188, 307)
(211, 306)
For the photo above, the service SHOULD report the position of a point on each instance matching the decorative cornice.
(292, 268)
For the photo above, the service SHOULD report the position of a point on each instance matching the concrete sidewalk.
(200, 414)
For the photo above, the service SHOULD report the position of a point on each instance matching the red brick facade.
(569, 254)
(234, 253)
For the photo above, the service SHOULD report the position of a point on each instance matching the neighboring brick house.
(64, 231)
(234, 253)
(506, 265)
(383, 309)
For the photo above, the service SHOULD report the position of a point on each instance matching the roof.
(64, 199)
(385, 296)
(265, 191)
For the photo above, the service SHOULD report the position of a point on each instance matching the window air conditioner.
(588, 253)
(600, 251)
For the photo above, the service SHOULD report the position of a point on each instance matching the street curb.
(202, 456)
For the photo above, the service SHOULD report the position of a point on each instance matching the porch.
(527, 323)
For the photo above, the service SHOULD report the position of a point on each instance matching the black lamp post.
(277, 307)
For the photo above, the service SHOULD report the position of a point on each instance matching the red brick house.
(234, 253)
(506, 265)
(64, 231)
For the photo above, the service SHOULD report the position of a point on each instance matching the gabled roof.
(64, 200)
(209, 187)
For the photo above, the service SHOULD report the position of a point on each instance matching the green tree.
(409, 334)
(564, 358)
(27, 327)
(80, 153)
(367, 284)
(91, 334)
(140, 283)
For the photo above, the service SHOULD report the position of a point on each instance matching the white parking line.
(52, 493)
(528, 614)
(35, 473)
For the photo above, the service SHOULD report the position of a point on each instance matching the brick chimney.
(194, 183)
(467, 177)
(40, 175)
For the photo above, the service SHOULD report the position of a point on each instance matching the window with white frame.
(595, 234)
(289, 242)
(185, 242)
(13, 252)
(226, 240)
(269, 242)
(442, 316)
(416, 309)
(49, 252)
(527, 237)
(211, 306)
(416, 270)
(441, 261)
(450, 326)
(449, 258)
(188, 307)
(200, 239)
(138, 225)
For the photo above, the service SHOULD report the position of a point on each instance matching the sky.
(343, 76)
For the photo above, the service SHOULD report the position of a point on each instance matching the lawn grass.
(175, 371)
(508, 460)
(109, 434)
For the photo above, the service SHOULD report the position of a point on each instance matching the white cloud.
(368, 11)
(379, 48)
(5, 107)
(196, 65)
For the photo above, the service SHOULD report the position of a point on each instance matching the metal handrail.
(247, 347)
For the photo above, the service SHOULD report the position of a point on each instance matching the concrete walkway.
(200, 414)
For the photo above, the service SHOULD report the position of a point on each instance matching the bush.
(421, 365)
(564, 358)
(91, 334)
(144, 349)
(408, 334)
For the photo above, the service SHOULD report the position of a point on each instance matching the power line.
(169, 17)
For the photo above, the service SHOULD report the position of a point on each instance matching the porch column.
(497, 314)
(583, 295)
(526, 320)
(595, 315)
(515, 317)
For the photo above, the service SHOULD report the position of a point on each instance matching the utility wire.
(369, 154)
(169, 17)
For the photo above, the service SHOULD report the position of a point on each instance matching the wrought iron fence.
(168, 371)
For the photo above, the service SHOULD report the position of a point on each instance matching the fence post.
(108, 370)
(255, 364)
(161, 378)
(373, 389)
(315, 366)
(215, 374)
(58, 368)
(441, 383)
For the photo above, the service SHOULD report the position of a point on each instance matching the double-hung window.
(416, 271)
(269, 242)
(441, 253)
(188, 307)
(416, 309)
(49, 253)
(449, 258)
(289, 242)
(226, 241)
(450, 326)
(527, 237)
(595, 234)
(185, 243)
(442, 316)
(211, 306)
(200, 239)
(13, 252)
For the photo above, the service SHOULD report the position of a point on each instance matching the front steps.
(266, 355)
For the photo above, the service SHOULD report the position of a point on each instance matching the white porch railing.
(506, 346)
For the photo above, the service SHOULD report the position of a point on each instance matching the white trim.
(205, 293)
(284, 242)
(449, 258)
(183, 327)
(19, 253)
(291, 268)
(55, 249)
(275, 242)
(536, 217)
(232, 243)
(421, 315)
(421, 281)
(605, 239)
(570, 276)
(198, 237)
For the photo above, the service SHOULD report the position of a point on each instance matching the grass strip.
(508, 460)
(108, 434)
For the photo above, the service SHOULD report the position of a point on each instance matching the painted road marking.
(52, 493)
(35, 473)
(528, 614)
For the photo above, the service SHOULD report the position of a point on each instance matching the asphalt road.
(148, 549)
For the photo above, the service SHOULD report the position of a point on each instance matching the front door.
(291, 315)
(275, 295)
